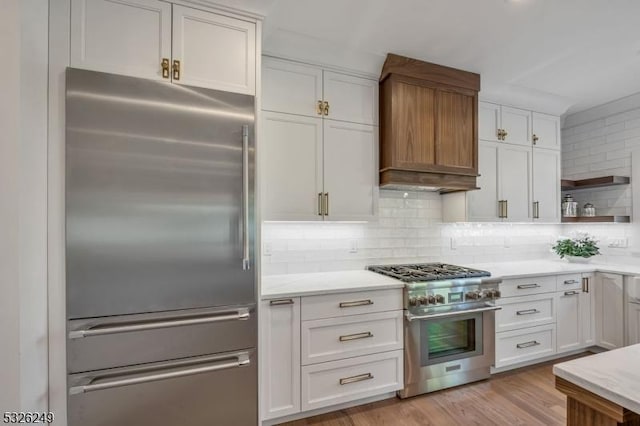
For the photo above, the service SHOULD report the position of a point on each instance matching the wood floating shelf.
(597, 219)
(599, 182)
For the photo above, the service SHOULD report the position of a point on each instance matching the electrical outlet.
(619, 243)
(353, 246)
(267, 249)
(454, 244)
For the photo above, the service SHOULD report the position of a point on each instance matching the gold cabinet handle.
(320, 204)
(326, 108)
(506, 209)
(176, 69)
(320, 107)
(326, 204)
(536, 209)
(499, 134)
(535, 139)
(165, 67)
(354, 379)
(355, 336)
(504, 134)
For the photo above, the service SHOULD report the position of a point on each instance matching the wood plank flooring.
(521, 397)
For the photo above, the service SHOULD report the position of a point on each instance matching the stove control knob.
(439, 298)
(432, 299)
(413, 301)
(474, 295)
(423, 300)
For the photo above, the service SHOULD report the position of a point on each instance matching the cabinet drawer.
(362, 302)
(350, 379)
(517, 346)
(522, 312)
(526, 286)
(569, 282)
(336, 338)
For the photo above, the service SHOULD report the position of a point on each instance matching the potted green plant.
(579, 249)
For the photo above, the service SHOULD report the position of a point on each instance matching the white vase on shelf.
(578, 259)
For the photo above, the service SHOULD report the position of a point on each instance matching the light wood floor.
(520, 397)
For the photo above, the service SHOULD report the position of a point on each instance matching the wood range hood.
(428, 126)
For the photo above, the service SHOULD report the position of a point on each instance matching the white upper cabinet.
(516, 124)
(546, 131)
(291, 167)
(291, 88)
(483, 204)
(128, 37)
(515, 182)
(156, 40)
(488, 121)
(546, 185)
(320, 144)
(350, 98)
(350, 172)
(214, 51)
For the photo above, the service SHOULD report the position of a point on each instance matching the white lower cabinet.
(350, 379)
(513, 347)
(526, 311)
(280, 352)
(318, 351)
(569, 321)
(633, 321)
(609, 312)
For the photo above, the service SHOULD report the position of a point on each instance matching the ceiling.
(568, 54)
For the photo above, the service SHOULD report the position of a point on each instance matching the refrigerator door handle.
(237, 315)
(241, 360)
(245, 198)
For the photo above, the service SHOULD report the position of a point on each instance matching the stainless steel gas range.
(448, 326)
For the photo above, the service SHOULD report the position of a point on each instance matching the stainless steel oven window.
(449, 339)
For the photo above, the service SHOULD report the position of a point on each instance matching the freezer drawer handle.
(354, 379)
(356, 303)
(242, 360)
(356, 336)
(528, 312)
(246, 261)
(240, 314)
(410, 317)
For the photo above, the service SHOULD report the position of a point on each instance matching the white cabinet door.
(280, 356)
(350, 170)
(290, 87)
(546, 185)
(546, 130)
(483, 204)
(488, 121)
(587, 311)
(517, 123)
(633, 323)
(568, 320)
(609, 311)
(291, 167)
(515, 181)
(214, 51)
(128, 37)
(351, 98)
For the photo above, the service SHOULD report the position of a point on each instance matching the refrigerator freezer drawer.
(108, 342)
(211, 390)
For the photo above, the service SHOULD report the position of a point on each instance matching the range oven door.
(448, 349)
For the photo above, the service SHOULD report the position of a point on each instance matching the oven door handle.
(411, 317)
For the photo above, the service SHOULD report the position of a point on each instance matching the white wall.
(23, 155)
(600, 142)
(408, 230)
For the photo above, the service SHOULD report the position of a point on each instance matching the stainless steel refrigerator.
(161, 299)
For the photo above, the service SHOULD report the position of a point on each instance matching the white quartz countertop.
(613, 375)
(536, 268)
(292, 285)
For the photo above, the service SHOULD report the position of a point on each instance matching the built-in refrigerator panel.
(159, 196)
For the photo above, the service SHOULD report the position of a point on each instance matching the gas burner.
(427, 272)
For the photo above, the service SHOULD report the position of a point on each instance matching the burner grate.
(427, 272)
